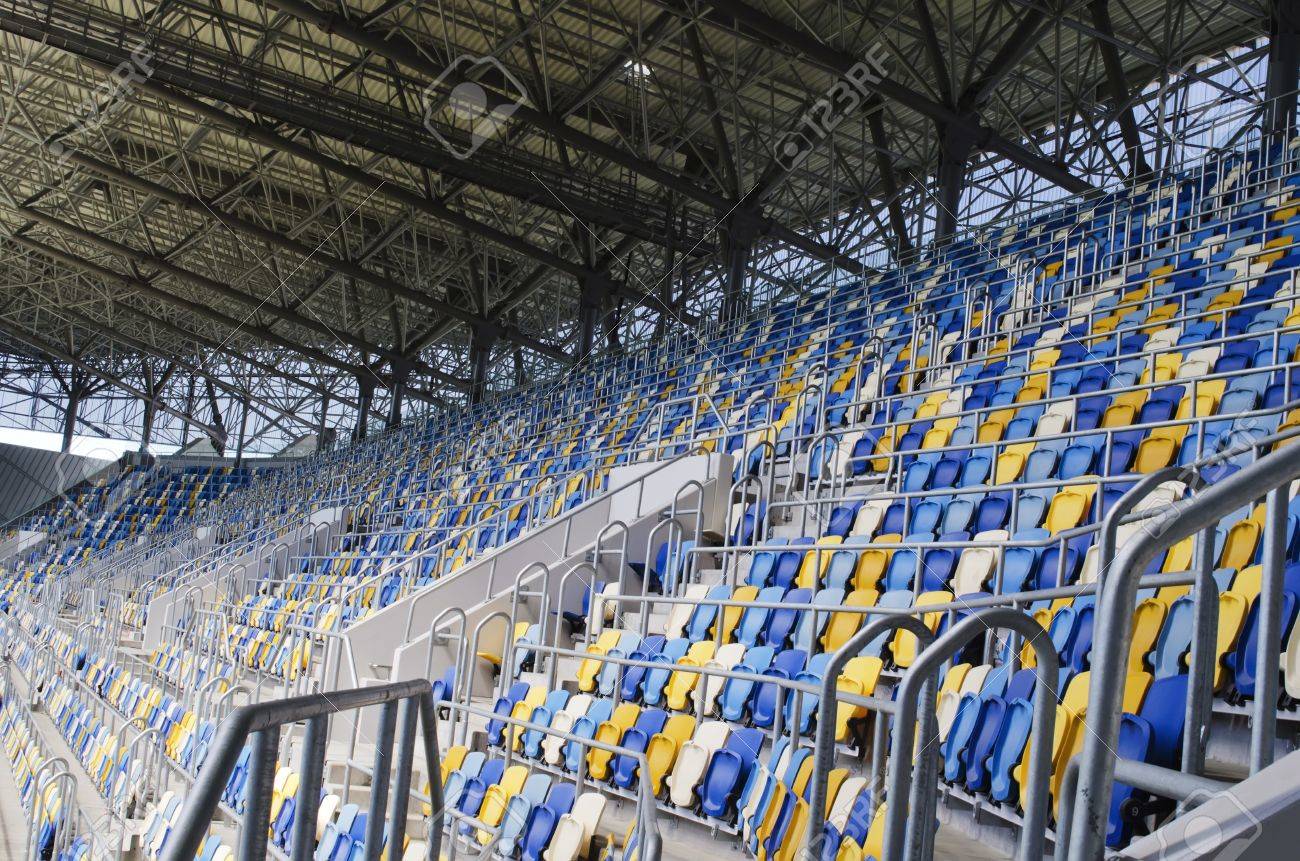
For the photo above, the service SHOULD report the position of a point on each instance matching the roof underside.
(281, 185)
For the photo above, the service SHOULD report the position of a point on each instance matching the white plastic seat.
(694, 759)
(974, 679)
(1052, 424)
(870, 516)
(1165, 338)
(1291, 664)
(724, 659)
(974, 569)
(946, 712)
(553, 745)
(329, 806)
(1207, 355)
(843, 802)
(575, 829)
(681, 613)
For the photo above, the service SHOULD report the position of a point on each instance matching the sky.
(86, 446)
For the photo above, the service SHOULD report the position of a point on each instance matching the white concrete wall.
(398, 637)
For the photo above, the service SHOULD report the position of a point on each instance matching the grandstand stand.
(992, 553)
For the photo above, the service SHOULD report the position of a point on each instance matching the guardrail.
(1268, 477)
(405, 706)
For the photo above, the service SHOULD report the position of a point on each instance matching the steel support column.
(1283, 58)
(243, 430)
(217, 433)
(365, 398)
(401, 377)
(1119, 89)
(738, 233)
(956, 149)
(597, 290)
(484, 338)
(146, 423)
(78, 387)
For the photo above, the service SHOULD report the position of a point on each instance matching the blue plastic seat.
(785, 665)
(518, 809)
(753, 621)
(733, 702)
(625, 766)
(585, 727)
(543, 818)
(782, 621)
(1134, 740)
(726, 771)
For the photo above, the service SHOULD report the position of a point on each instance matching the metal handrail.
(1269, 476)
(403, 703)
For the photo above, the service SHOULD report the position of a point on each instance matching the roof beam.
(1117, 83)
(840, 62)
(148, 289)
(177, 362)
(203, 282)
(1027, 33)
(135, 344)
(402, 51)
(297, 101)
(328, 261)
(106, 376)
(931, 40)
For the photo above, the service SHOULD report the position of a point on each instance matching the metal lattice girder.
(147, 288)
(257, 306)
(256, 136)
(841, 62)
(401, 51)
(345, 267)
(108, 377)
(263, 406)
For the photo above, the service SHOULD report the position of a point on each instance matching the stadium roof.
(310, 193)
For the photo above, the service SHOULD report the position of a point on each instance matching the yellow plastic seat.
(1247, 582)
(843, 625)
(590, 667)
(1009, 466)
(874, 561)
(792, 844)
(1239, 544)
(729, 618)
(611, 732)
(1179, 558)
(860, 676)
(1166, 368)
(1148, 618)
(452, 759)
(1233, 608)
(497, 796)
(990, 431)
(873, 846)
(662, 748)
(682, 682)
(1154, 453)
(1118, 416)
(815, 562)
(1067, 510)
(904, 644)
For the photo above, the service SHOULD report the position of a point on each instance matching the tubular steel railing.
(1268, 477)
(405, 706)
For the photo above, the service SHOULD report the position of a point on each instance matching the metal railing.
(406, 713)
(1269, 478)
